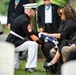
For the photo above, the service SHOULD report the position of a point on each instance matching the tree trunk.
(72, 3)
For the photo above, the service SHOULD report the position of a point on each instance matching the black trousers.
(45, 50)
(49, 28)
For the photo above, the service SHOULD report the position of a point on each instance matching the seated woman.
(67, 46)
(67, 26)
(67, 49)
(64, 53)
(66, 29)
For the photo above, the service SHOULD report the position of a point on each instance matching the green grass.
(39, 68)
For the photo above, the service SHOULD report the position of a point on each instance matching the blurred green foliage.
(4, 4)
(6, 30)
(58, 2)
(3, 7)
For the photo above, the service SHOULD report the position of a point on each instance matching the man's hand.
(41, 29)
(9, 26)
(34, 37)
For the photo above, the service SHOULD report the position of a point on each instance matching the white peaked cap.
(30, 5)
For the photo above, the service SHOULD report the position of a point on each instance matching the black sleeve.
(35, 32)
(39, 17)
(8, 15)
(63, 43)
(25, 28)
(68, 30)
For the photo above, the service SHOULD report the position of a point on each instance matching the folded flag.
(47, 38)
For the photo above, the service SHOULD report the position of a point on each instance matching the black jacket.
(13, 13)
(55, 18)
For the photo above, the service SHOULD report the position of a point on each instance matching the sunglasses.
(60, 14)
(34, 9)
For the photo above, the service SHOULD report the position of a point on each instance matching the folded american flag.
(47, 38)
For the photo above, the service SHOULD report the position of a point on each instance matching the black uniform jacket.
(13, 13)
(55, 18)
(20, 27)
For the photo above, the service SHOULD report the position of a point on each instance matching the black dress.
(66, 29)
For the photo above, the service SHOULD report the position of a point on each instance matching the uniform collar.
(28, 17)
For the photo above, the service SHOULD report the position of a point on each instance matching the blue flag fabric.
(48, 38)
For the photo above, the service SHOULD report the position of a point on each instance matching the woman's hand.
(47, 34)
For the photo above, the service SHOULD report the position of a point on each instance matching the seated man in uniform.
(21, 29)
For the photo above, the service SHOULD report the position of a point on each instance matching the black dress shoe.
(31, 70)
(47, 68)
(50, 69)
(46, 65)
(22, 58)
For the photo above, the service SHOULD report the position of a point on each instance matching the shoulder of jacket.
(41, 5)
(71, 20)
(55, 5)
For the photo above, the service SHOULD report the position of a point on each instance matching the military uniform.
(21, 28)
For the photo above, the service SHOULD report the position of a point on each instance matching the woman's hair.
(68, 11)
